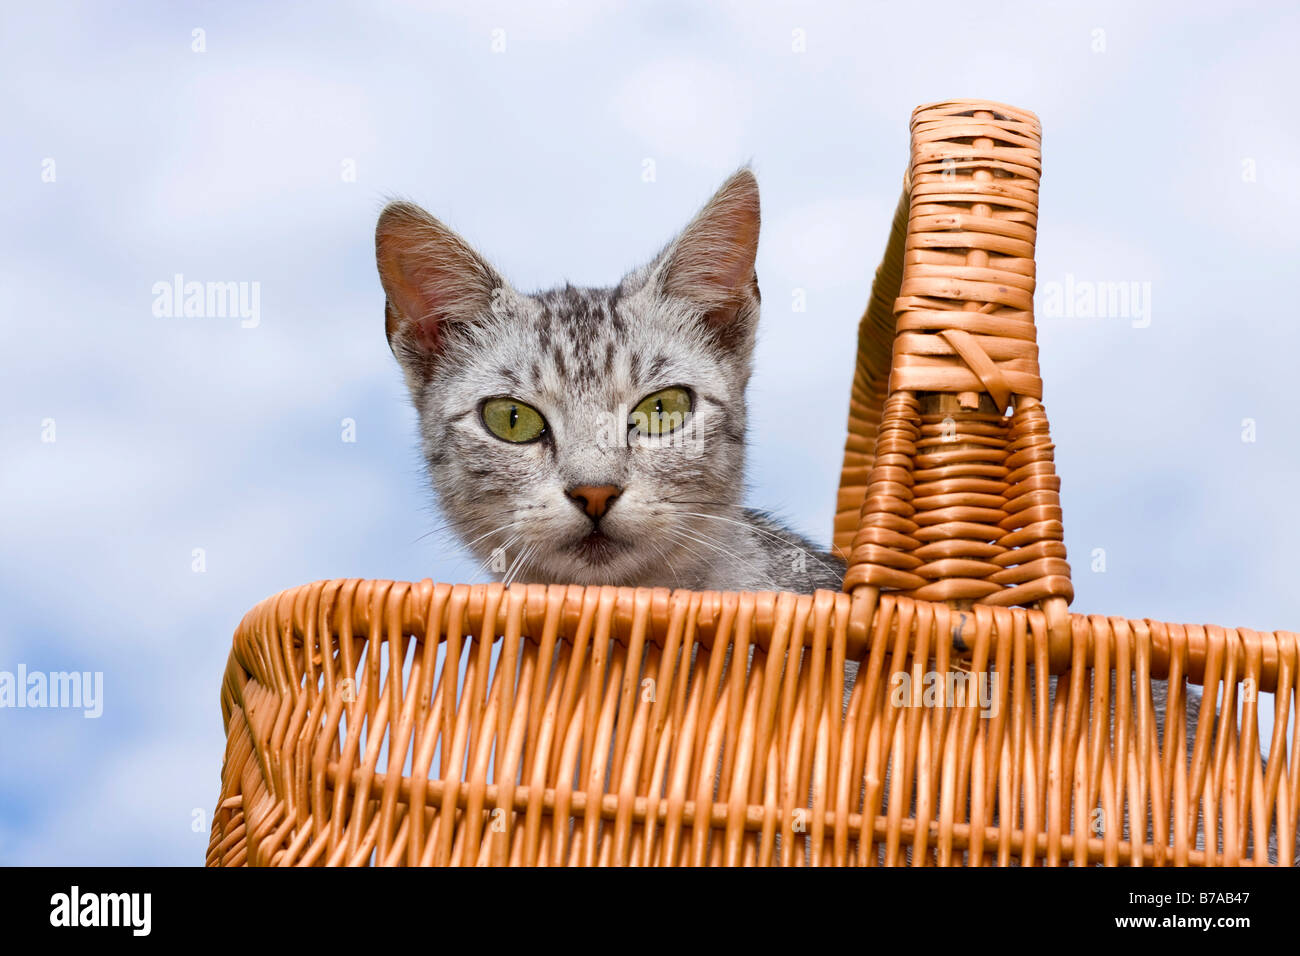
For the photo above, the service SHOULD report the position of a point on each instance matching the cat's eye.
(662, 412)
(512, 420)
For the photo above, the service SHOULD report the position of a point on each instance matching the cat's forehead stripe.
(578, 331)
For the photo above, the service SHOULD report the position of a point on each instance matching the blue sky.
(1171, 157)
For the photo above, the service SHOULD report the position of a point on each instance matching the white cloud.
(692, 111)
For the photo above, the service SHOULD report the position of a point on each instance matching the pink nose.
(594, 499)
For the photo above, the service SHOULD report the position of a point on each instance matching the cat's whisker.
(532, 552)
(667, 562)
(521, 560)
(706, 503)
(518, 565)
(765, 583)
(751, 527)
(506, 578)
(700, 532)
(446, 526)
(442, 527)
(429, 534)
(686, 548)
(665, 555)
(504, 527)
(500, 548)
(716, 547)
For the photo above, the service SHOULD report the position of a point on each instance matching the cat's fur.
(582, 357)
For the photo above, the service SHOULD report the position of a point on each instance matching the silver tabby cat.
(597, 435)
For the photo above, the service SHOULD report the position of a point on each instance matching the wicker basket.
(371, 722)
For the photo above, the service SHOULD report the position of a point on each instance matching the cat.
(597, 436)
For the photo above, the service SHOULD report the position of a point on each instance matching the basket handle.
(870, 381)
(942, 495)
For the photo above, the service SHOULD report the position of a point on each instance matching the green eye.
(662, 412)
(512, 420)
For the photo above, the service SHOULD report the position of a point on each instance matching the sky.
(160, 474)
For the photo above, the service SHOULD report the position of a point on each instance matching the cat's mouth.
(596, 546)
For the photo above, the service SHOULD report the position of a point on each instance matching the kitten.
(595, 436)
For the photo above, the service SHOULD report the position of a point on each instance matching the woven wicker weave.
(585, 726)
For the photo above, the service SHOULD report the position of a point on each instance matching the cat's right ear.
(431, 277)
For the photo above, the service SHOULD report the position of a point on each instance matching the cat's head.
(577, 435)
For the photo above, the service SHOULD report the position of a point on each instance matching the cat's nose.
(594, 499)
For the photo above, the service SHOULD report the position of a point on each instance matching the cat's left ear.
(711, 264)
